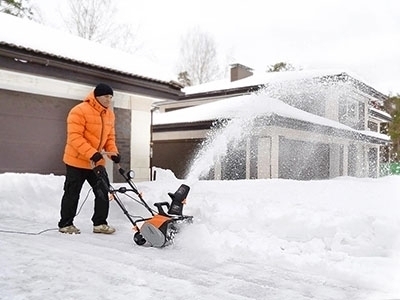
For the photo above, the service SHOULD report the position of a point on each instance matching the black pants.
(75, 178)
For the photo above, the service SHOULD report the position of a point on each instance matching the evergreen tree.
(198, 57)
(18, 8)
(280, 67)
(392, 105)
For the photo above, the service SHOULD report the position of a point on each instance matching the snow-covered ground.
(251, 239)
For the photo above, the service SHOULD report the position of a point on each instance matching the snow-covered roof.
(270, 78)
(33, 36)
(249, 106)
(258, 78)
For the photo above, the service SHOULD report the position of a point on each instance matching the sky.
(251, 239)
(362, 37)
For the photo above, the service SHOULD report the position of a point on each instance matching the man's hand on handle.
(116, 158)
(96, 157)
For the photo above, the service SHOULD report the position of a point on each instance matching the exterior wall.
(332, 108)
(342, 102)
(275, 152)
(20, 82)
(123, 134)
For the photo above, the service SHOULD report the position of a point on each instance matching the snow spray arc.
(230, 150)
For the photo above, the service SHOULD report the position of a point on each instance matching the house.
(45, 72)
(306, 125)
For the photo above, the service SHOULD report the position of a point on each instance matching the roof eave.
(252, 88)
(170, 90)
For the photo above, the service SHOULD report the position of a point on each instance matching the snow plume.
(324, 87)
(225, 135)
(314, 103)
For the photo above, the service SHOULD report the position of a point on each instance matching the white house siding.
(32, 84)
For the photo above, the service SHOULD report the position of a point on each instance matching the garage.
(301, 160)
(32, 132)
(175, 155)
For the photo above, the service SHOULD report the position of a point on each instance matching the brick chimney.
(239, 71)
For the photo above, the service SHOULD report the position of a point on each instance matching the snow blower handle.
(110, 155)
(128, 176)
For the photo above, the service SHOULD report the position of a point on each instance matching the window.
(373, 126)
(349, 112)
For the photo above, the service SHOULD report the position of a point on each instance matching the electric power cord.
(45, 230)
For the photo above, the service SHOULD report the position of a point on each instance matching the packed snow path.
(261, 239)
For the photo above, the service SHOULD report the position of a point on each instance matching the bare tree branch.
(96, 20)
(198, 57)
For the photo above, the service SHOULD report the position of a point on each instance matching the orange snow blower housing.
(160, 230)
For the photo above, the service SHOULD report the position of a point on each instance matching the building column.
(345, 163)
(264, 158)
(140, 139)
(217, 170)
(275, 156)
(334, 160)
(248, 158)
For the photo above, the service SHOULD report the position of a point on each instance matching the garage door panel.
(303, 160)
(32, 132)
(31, 158)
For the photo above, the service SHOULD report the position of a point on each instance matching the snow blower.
(160, 228)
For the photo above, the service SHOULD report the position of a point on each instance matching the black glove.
(96, 157)
(116, 158)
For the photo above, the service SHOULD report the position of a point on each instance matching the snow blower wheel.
(138, 239)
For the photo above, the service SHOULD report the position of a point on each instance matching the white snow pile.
(251, 239)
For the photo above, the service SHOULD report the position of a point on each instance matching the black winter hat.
(103, 89)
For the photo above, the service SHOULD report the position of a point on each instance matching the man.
(90, 130)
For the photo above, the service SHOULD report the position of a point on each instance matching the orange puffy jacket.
(90, 129)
